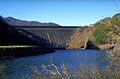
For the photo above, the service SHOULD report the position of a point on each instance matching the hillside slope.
(81, 37)
(14, 43)
(11, 36)
(104, 34)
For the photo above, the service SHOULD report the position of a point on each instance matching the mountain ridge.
(18, 22)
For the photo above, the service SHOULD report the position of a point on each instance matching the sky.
(62, 12)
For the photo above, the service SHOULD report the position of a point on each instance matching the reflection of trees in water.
(102, 60)
(114, 65)
(2, 69)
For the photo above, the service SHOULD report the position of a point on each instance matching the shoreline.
(23, 51)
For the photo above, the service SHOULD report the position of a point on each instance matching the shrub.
(99, 35)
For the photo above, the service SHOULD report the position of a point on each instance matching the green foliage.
(107, 30)
(99, 35)
(116, 19)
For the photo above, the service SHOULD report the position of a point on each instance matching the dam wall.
(53, 37)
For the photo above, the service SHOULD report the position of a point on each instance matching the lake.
(18, 67)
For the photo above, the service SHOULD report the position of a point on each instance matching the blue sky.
(62, 12)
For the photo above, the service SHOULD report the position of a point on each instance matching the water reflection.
(15, 68)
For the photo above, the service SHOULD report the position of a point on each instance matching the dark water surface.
(15, 68)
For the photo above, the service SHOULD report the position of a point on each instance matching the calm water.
(15, 68)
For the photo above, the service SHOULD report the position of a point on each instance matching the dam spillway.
(53, 37)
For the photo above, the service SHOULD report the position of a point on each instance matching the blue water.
(15, 68)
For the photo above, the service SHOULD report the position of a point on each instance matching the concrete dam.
(53, 37)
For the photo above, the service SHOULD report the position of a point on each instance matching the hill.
(14, 42)
(18, 22)
(104, 34)
(11, 36)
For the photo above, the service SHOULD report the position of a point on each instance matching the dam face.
(53, 37)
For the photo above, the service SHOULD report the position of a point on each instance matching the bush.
(99, 35)
(107, 30)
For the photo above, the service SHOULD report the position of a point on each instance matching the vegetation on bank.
(106, 32)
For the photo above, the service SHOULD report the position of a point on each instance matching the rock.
(116, 47)
(90, 45)
(106, 46)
